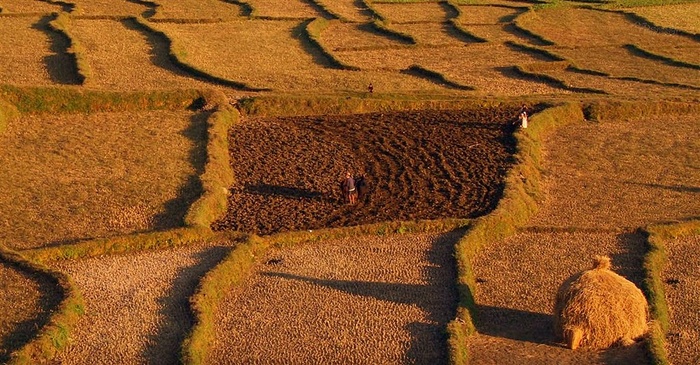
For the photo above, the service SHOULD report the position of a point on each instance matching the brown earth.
(289, 169)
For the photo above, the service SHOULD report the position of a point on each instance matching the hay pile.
(598, 308)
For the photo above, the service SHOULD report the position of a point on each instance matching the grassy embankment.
(520, 201)
(210, 206)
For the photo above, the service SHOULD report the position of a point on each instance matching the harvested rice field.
(136, 305)
(651, 179)
(682, 283)
(26, 302)
(38, 65)
(98, 181)
(375, 300)
(137, 61)
(75, 176)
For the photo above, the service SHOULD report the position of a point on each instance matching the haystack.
(598, 308)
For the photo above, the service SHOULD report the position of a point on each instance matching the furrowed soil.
(603, 181)
(136, 305)
(370, 300)
(418, 165)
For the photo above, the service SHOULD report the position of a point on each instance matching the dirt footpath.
(136, 305)
(372, 300)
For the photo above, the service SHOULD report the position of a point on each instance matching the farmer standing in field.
(349, 188)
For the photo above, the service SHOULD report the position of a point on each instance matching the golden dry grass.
(107, 7)
(128, 62)
(623, 174)
(196, 9)
(412, 12)
(348, 9)
(23, 6)
(594, 36)
(21, 65)
(487, 15)
(373, 300)
(71, 177)
(283, 9)
(681, 288)
(270, 54)
(682, 16)
(430, 34)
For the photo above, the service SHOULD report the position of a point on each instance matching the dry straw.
(598, 308)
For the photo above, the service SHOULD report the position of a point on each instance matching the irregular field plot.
(127, 61)
(619, 62)
(271, 54)
(283, 9)
(136, 305)
(682, 286)
(288, 169)
(374, 300)
(26, 302)
(623, 174)
(108, 7)
(349, 9)
(196, 9)
(417, 12)
(518, 280)
(682, 16)
(75, 176)
(19, 64)
(596, 32)
(24, 6)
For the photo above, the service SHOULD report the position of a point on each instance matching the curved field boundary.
(640, 52)
(538, 39)
(644, 22)
(313, 30)
(62, 24)
(518, 204)
(53, 336)
(534, 73)
(177, 58)
(436, 77)
(654, 263)
(215, 179)
(382, 27)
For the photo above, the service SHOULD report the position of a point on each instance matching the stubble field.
(77, 171)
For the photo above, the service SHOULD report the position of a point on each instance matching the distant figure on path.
(370, 88)
(523, 119)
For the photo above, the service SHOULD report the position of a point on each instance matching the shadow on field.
(437, 298)
(175, 317)
(515, 324)
(23, 332)
(174, 211)
(61, 66)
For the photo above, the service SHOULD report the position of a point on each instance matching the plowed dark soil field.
(417, 165)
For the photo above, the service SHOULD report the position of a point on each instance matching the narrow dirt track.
(371, 300)
(136, 305)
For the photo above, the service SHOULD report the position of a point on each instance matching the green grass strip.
(231, 272)
(654, 263)
(78, 100)
(218, 175)
(519, 202)
(54, 336)
(8, 112)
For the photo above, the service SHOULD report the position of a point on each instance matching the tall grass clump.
(653, 286)
(519, 202)
(54, 336)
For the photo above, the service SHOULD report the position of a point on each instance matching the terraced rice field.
(91, 171)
